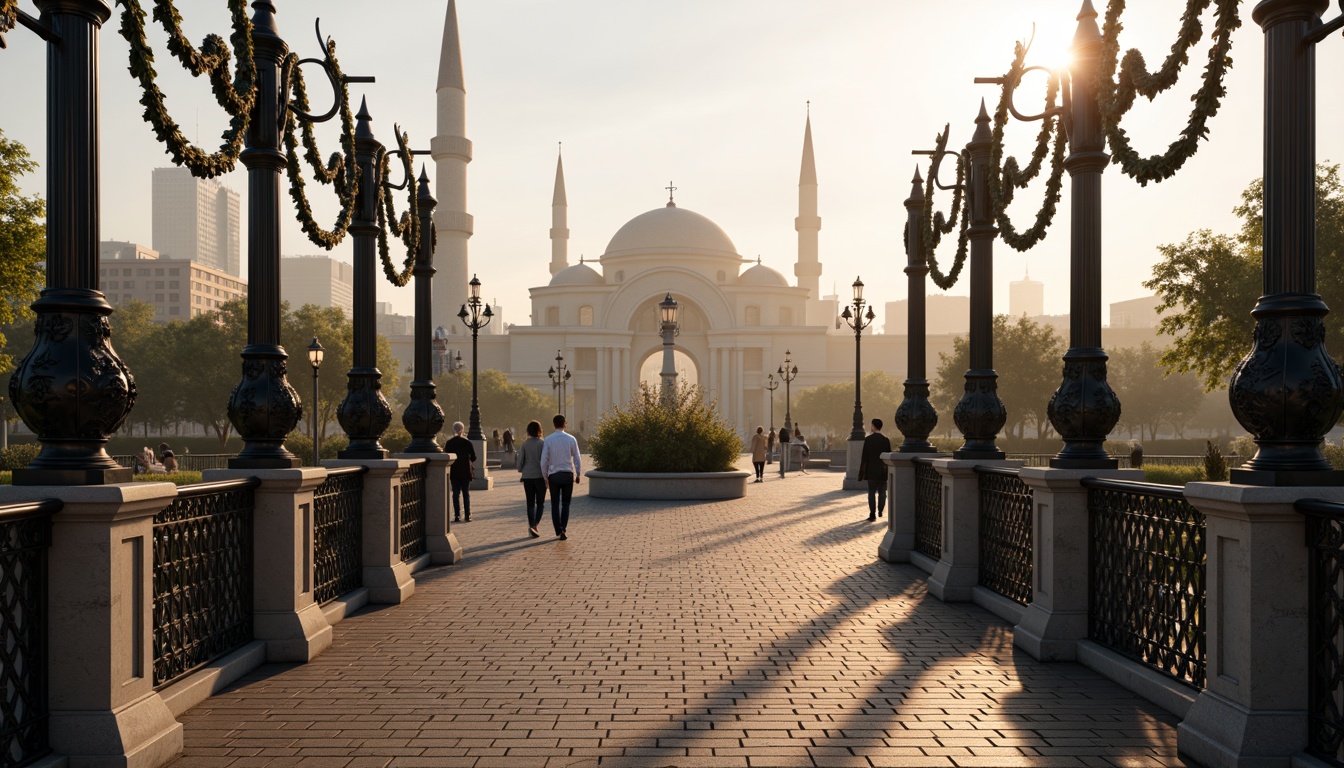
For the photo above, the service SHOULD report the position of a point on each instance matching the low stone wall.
(667, 485)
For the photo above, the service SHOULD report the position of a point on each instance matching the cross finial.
(670, 189)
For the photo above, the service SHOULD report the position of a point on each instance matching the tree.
(1210, 283)
(1027, 357)
(145, 348)
(205, 365)
(832, 405)
(23, 242)
(1151, 397)
(503, 403)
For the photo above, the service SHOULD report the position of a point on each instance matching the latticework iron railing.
(202, 576)
(338, 534)
(928, 510)
(25, 536)
(1325, 707)
(1147, 578)
(413, 512)
(1005, 533)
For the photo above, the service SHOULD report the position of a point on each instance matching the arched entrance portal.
(650, 371)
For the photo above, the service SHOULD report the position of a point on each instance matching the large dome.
(670, 230)
(578, 274)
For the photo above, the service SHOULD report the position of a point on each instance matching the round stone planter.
(667, 485)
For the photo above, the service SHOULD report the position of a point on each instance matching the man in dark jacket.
(460, 473)
(873, 469)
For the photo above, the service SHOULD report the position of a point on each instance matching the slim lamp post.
(315, 353)
(771, 385)
(857, 320)
(787, 373)
(559, 374)
(667, 315)
(475, 314)
(423, 417)
(916, 417)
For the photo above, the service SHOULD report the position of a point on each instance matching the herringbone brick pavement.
(757, 632)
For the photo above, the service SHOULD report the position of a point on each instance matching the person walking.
(508, 439)
(462, 472)
(873, 469)
(783, 451)
(563, 469)
(758, 451)
(532, 477)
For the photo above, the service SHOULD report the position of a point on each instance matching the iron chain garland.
(235, 96)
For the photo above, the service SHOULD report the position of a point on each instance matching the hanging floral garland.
(406, 228)
(9, 18)
(340, 170)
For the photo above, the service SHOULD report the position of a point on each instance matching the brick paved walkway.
(760, 632)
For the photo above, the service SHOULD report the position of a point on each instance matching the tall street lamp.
(475, 314)
(667, 314)
(858, 321)
(315, 353)
(787, 373)
(559, 374)
(771, 385)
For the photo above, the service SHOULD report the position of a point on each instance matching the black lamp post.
(787, 373)
(771, 385)
(315, 353)
(475, 314)
(423, 417)
(667, 315)
(559, 374)
(858, 321)
(916, 417)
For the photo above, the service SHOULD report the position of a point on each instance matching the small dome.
(762, 276)
(670, 230)
(579, 274)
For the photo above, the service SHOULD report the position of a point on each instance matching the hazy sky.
(710, 94)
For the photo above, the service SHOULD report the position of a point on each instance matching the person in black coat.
(461, 472)
(873, 469)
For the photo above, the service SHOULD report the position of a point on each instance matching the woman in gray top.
(533, 479)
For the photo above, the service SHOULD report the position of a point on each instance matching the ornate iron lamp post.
(857, 320)
(315, 353)
(667, 315)
(787, 373)
(72, 389)
(771, 385)
(475, 314)
(364, 414)
(559, 374)
(915, 417)
(1085, 409)
(423, 418)
(1287, 391)
(264, 407)
(980, 414)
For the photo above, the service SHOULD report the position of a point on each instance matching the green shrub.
(300, 445)
(6, 478)
(1215, 466)
(1170, 475)
(940, 444)
(176, 478)
(644, 435)
(1243, 446)
(18, 456)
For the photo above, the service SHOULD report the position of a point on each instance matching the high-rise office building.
(196, 220)
(319, 280)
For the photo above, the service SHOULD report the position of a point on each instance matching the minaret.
(451, 151)
(559, 221)
(808, 223)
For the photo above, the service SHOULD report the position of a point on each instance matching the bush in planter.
(644, 435)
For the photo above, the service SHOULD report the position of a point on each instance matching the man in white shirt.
(561, 465)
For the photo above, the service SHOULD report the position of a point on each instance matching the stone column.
(958, 570)
(440, 541)
(386, 577)
(483, 481)
(1253, 711)
(1057, 617)
(853, 454)
(283, 523)
(100, 625)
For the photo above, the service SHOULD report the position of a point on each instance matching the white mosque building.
(739, 317)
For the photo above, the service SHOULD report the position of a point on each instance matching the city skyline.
(713, 97)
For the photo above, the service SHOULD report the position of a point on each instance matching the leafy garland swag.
(1119, 83)
(236, 96)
